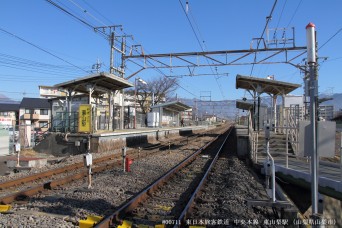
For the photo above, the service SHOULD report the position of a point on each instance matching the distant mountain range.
(227, 108)
(223, 109)
(336, 101)
(7, 100)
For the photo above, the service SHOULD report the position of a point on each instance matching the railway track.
(24, 187)
(222, 199)
(167, 200)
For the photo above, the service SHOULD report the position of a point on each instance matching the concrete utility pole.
(110, 31)
(313, 88)
(111, 60)
(122, 74)
(120, 68)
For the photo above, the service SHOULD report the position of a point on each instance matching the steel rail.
(188, 207)
(50, 173)
(55, 183)
(50, 185)
(144, 194)
(131, 204)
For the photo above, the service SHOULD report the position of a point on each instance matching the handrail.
(292, 130)
(253, 138)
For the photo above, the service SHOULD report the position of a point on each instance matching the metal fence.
(65, 122)
(25, 135)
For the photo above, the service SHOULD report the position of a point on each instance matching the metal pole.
(269, 157)
(287, 139)
(111, 61)
(258, 120)
(135, 104)
(169, 147)
(311, 50)
(124, 158)
(90, 162)
(122, 110)
(254, 112)
(273, 171)
(341, 155)
(139, 149)
(275, 112)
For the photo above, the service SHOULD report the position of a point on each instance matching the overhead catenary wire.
(279, 19)
(88, 24)
(197, 38)
(295, 12)
(291, 19)
(268, 18)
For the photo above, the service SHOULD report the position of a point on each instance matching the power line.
(295, 12)
(13, 61)
(86, 12)
(98, 12)
(17, 92)
(91, 26)
(338, 31)
(76, 18)
(36, 46)
(70, 14)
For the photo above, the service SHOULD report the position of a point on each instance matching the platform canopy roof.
(100, 82)
(263, 85)
(175, 106)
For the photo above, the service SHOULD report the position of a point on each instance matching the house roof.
(173, 106)
(9, 107)
(33, 103)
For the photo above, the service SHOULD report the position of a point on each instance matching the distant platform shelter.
(166, 114)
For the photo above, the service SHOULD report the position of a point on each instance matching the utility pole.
(110, 32)
(97, 66)
(119, 68)
(122, 74)
(313, 88)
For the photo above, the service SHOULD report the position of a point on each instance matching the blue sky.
(161, 27)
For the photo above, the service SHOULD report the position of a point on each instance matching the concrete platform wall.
(59, 145)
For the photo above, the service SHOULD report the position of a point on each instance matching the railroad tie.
(90, 221)
(5, 208)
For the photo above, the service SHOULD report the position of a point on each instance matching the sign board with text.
(84, 118)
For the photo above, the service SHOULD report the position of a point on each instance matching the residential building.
(9, 115)
(35, 112)
(326, 112)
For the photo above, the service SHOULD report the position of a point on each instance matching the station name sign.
(84, 118)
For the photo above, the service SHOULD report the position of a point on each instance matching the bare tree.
(162, 88)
